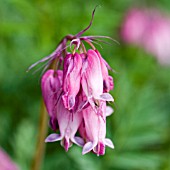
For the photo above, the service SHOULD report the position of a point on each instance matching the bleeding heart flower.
(71, 82)
(69, 123)
(75, 91)
(92, 79)
(95, 127)
(107, 80)
(51, 83)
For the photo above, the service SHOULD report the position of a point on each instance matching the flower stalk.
(40, 146)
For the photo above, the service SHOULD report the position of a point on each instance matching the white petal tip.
(109, 143)
(53, 137)
(87, 147)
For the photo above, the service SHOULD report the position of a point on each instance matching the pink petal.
(109, 143)
(109, 110)
(88, 147)
(72, 70)
(53, 138)
(68, 124)
(92, 80)
(6, 162)
(78, 140)
(66, 143)
(50, 85)
(100, 149)
(106, 97)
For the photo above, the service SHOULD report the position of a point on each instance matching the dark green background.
(140, 125)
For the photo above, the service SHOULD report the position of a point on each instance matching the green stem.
(40, 147)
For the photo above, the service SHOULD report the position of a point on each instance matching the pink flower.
(51, 83)
(68, 125)
(150, 29)
(75, 97)
(157, 38)
(71, 82)
(134, 26)
(107, 80)
(5, 162)
(95, 130)
(92, 79)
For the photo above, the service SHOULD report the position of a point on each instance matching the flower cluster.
(150, 29)
(75, 98)
(75, 90)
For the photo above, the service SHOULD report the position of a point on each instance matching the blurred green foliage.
(140, 125)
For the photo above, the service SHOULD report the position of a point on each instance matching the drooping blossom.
(72, 70)
(107, 80)
(92, 79)
(95, 127)
(75, 91)
(5, 161)
(51, 83)
(150, 29)
(69, 123)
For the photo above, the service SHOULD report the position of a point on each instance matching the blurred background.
(140, 124)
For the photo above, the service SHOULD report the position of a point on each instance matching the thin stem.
(83, 48)
(91, 21)
(90, 44)
(40, 148)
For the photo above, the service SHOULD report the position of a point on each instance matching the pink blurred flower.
(157, 39)
(149, 29)
(134, 26)
(5, 161)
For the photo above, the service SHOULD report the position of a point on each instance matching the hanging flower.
(69, 123)
(72, 70)
(95, 127)
(75, 91)
(51, 83)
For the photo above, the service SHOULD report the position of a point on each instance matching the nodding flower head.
(95, 127)
(51, 84)
(71, 81)
(69, 123)
(75, 89)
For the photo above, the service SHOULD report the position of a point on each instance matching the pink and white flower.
(107, 80)
(92, 79)
(75, 96)
(68, 125)
(51, 83)
(71, 82)
(95, 128)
